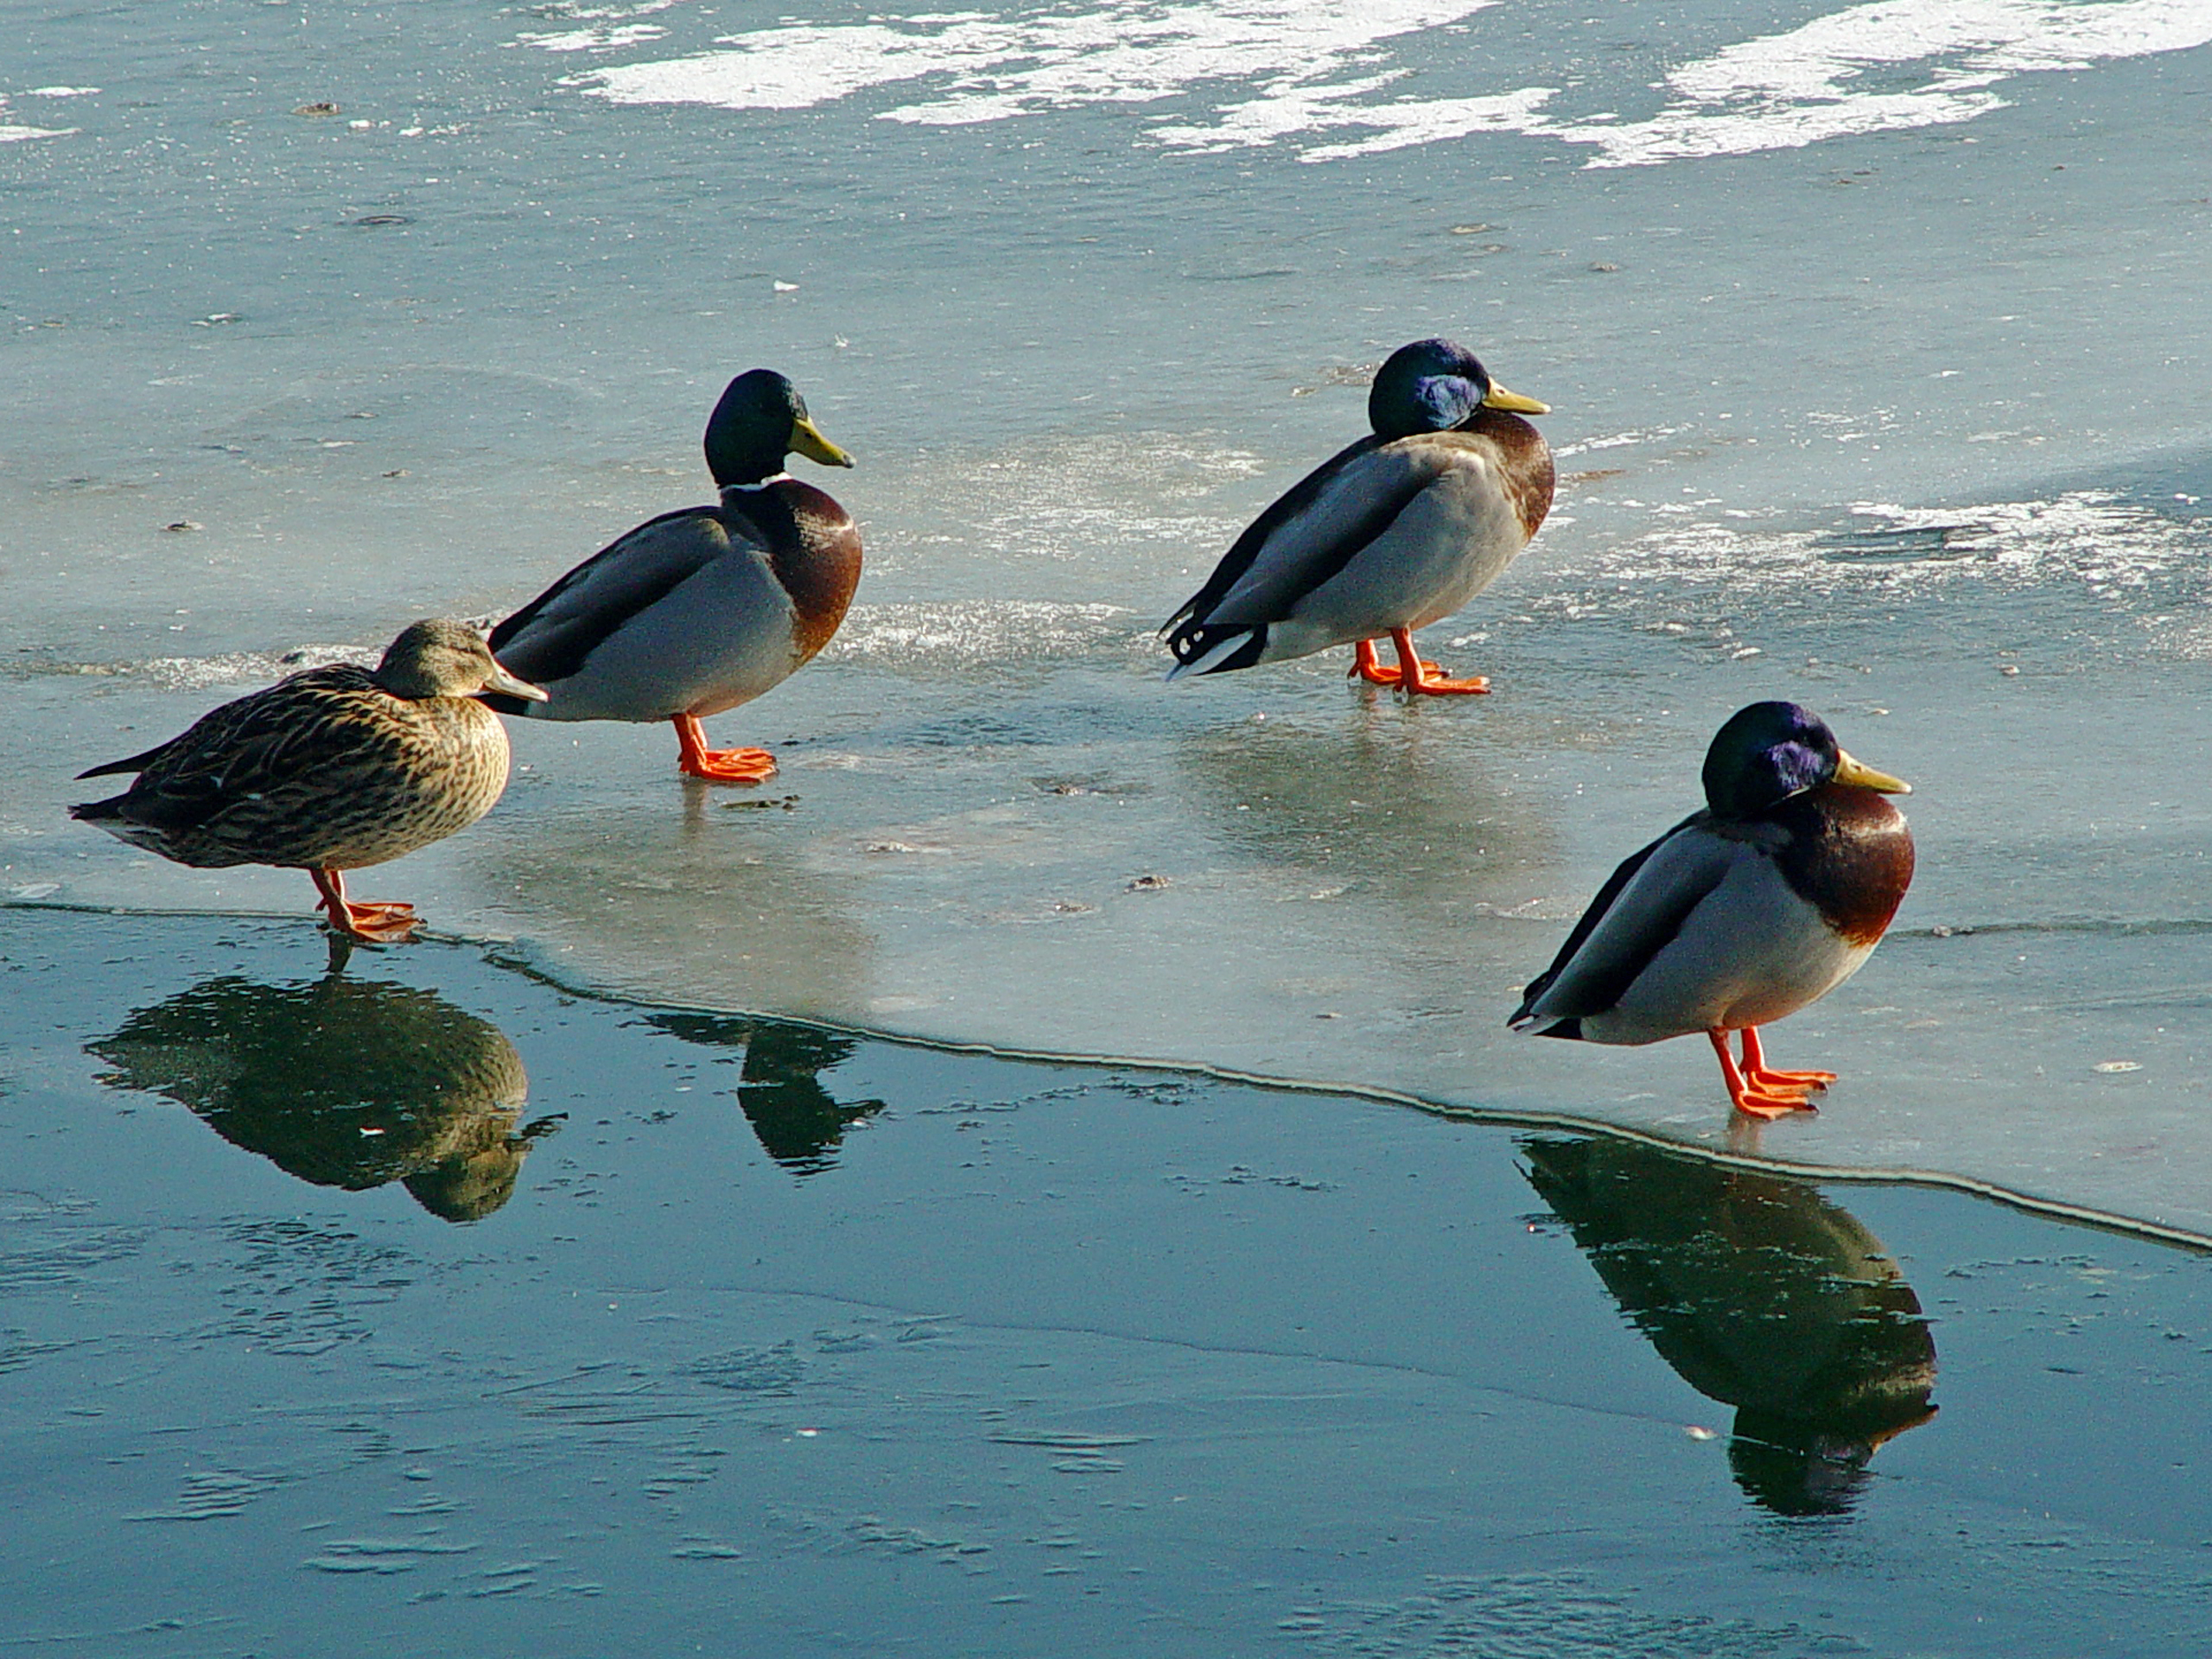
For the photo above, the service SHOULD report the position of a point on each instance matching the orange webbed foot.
(1756, 1102)
(1757, 1091)
(695, 759)
(1761, 1078)
(379, 923)
(729, 765)
(1434, 682)
(1767, 1080)
(1366, 665)
(1414, 674)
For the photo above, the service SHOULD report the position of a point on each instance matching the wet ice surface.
(882, 1346)
(1876, 385)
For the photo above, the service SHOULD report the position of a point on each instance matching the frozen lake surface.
(1875, 342)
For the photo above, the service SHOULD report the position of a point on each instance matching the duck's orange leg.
(1417, 675)
(373, 924)
(1756, 1069)
(1751, 1095)
(1366, 665)
(695, 759)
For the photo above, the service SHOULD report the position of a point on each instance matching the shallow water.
(604, 1324)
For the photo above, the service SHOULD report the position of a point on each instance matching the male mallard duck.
(1400, 530)
(328, 771)
(702, 609)
(1764, 902)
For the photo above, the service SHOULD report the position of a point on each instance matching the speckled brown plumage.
(332, 769)
(325, 770)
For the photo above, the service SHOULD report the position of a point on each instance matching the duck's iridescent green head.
(1433, 385)
(1770, 751)
(439, 658)
(760, 419)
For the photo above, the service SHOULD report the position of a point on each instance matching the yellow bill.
(1848, 771)
(806, 439)
(1501, 398)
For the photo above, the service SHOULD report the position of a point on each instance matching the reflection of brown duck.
(343, 1083)
(1763, 1295)
(799, 1122)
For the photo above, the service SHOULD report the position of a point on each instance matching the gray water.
(1875, 339)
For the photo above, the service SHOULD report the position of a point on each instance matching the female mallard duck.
(1765, 901)
(702, 609)
(328, 771)
(1400, 530)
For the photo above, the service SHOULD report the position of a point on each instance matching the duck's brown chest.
(1850, 855)
(815, 550)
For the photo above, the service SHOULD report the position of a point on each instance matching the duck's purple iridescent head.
(1769, 752)
(1433, 385)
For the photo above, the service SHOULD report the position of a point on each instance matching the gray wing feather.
(1311, 546)
(1634, 917)
(551, 637)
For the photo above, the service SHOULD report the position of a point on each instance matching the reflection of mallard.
(1760, 1294)
(343, 1083)
(799, 1122)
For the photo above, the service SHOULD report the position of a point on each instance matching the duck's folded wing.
(1310, 534)
(1635, 916)
(315, 726)
(549, 638)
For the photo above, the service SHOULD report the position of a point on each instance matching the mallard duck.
(1764, 902)
(701, 609)
(331, 769)
(1401, 529)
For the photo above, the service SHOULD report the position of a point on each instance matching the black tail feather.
(1190, 641)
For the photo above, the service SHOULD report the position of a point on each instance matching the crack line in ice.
(1313, 67)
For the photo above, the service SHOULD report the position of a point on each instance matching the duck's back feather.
(1300, 505)
(558, 632)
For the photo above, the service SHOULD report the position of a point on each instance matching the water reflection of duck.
(344, 1082)
(799, 1122)
(1761, 1295)
(1392, 534)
